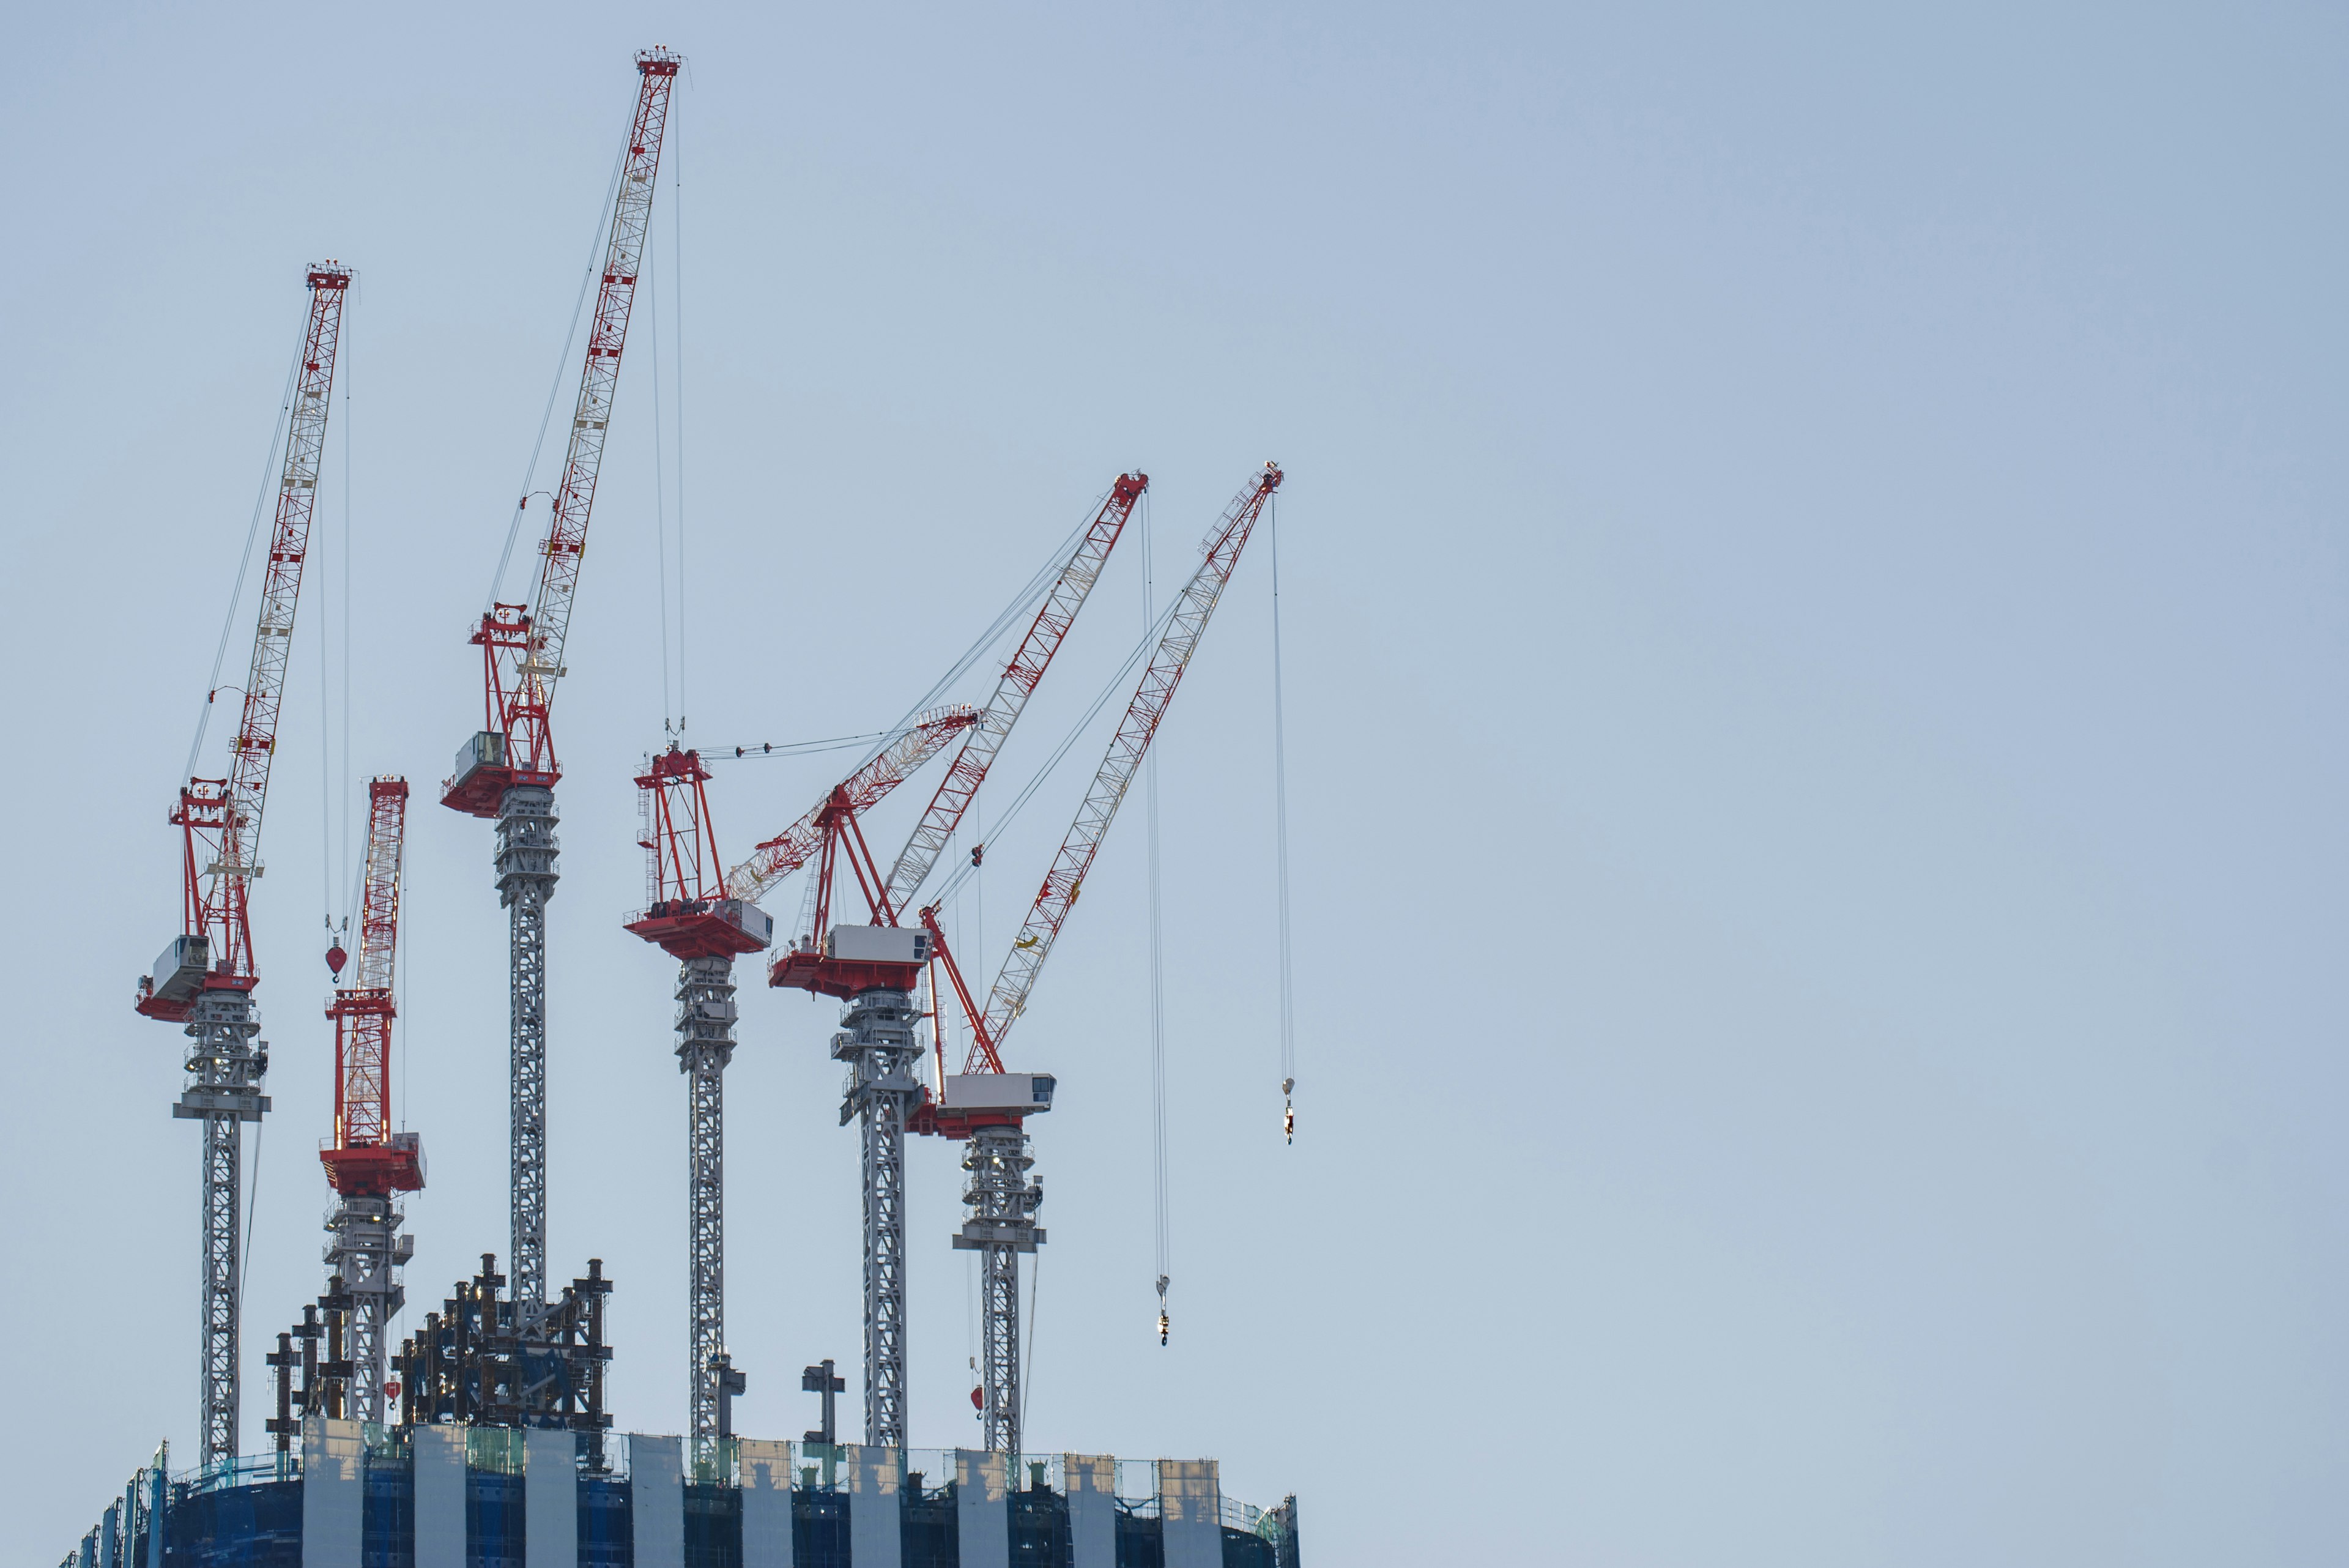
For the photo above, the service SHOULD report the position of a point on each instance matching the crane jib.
(219, 820)
(523, 653)
(1153, 696)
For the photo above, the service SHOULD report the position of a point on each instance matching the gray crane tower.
(508, 771)
(689, 915)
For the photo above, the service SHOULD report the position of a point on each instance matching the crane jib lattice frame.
(1017, 683)
(220, 819)
(522, 647)
(1065, 881)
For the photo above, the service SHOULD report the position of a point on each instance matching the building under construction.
(477, 1433)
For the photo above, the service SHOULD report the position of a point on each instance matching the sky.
(1812, 630)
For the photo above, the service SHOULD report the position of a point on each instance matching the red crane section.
(220, 819)
(368, 1159)
(522, 647)
(688, 912)
(1019, 681)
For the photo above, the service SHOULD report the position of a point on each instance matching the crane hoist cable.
(1162, 1231)
(1280, 843)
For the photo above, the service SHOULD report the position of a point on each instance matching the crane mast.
(1002, 1198)
(508, 771)
(370, 1164)
(204, 978)
(690, 915)
(1013, 689)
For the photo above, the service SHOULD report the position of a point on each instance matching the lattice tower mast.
(206, 977)
(509, 770)
(1003, 1201)
(689, 915)
(369, 1163)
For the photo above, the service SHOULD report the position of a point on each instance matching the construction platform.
(447, 1496)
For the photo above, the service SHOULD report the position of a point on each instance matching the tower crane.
(368, 1163)
(689, 916)
(204, 978)
(987, 1106)
(876, 969)
(508, 771)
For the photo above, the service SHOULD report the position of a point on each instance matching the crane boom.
(1185, 622)
(220, 819)
(369, 1163)
(789, 850)
(522, 652)
(1017, 682)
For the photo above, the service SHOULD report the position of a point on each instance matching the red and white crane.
(370, 1164)
(508, 771)
(689, 916)
(987, 1105)
(205, 978)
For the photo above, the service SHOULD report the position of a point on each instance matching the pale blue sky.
(1814, 598)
